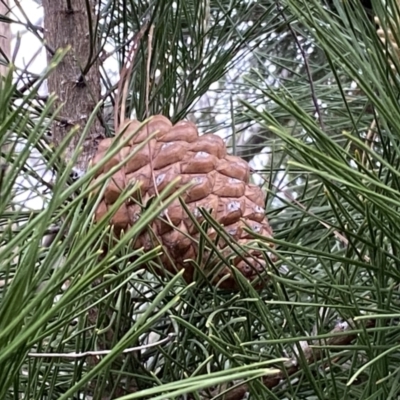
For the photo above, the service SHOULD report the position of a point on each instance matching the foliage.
(333, 192)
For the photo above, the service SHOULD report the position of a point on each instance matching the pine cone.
(220, 184)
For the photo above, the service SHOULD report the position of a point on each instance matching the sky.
(28, 44)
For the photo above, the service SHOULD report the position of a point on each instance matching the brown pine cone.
(220, 184)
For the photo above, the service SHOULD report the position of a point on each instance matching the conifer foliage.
(241, 240)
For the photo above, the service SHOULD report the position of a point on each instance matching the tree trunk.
(67, 23)
(5, 37)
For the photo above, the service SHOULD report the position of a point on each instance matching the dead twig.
(123, 84)
(101, 352)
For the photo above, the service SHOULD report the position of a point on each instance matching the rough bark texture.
(66, 23)
(5, 36)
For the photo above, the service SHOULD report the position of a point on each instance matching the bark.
(66, 23)
(5, 37)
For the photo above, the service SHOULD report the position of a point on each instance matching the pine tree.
(305, 90)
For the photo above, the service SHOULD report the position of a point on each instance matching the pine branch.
(342, 335)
